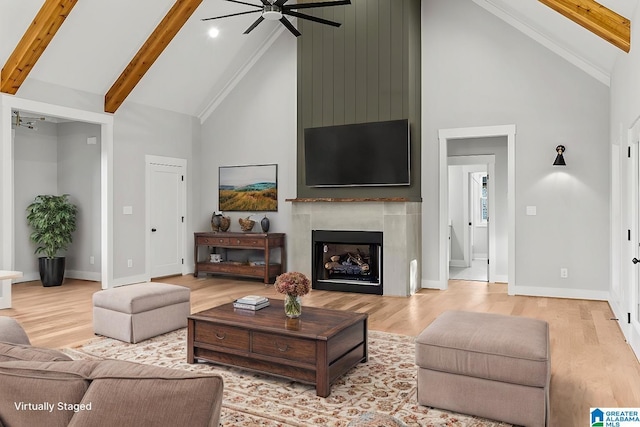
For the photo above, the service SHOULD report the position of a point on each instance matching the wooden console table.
(248, 241)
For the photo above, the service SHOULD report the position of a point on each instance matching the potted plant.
(53, 221)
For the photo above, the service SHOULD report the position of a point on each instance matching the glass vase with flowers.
(293, 285)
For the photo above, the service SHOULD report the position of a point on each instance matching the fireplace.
(348, 261)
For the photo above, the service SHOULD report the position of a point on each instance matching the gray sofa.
(40, 386)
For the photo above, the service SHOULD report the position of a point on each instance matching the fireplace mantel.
(348, 200)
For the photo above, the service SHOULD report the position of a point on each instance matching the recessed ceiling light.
(213, 32)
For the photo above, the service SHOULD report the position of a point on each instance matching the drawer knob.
(282, 348)
(221, 336)
(238, 241)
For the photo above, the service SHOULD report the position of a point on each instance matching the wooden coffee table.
(316, 348)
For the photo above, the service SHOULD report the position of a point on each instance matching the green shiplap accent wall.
(367, 70)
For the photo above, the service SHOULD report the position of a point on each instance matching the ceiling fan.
(276, 10)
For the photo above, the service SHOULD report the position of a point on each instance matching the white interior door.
(630, 296)
(166, 216)
(8, 261)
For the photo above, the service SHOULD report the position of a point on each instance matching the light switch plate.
(531, 210)
(127, 210)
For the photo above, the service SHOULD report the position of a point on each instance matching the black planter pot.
(51, 271)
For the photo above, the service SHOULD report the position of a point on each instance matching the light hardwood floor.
(592, 365)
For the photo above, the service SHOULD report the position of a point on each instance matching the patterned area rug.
(380, 392)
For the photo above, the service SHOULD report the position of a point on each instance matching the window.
(484, 208)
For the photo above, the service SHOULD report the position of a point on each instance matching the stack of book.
(251, 302)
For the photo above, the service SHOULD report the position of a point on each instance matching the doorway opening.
(8, 105)
(470, 235)
(469, 139)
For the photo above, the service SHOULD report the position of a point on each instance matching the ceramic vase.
(264, 224)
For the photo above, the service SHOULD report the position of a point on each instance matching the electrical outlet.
(564, 273)
(129, 263)
(92, 260)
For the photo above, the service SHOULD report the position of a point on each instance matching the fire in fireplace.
(348, 261)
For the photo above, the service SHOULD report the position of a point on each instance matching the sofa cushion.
(124, 393)
(40, 393)
(11, 352)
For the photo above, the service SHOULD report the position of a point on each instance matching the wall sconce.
(560, 158)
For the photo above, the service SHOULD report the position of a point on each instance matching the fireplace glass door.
(348, 261)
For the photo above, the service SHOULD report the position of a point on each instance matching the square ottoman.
(133, 313)
(488, 365)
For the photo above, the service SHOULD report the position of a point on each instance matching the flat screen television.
(363, 154)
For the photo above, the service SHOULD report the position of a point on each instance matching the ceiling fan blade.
(250, 4)
(233, 14)
(280, 2)
(290, 27)
(255, 24)
(311, 18)
(317, 4)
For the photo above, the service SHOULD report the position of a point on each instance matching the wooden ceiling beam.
(33, 43)
(605, 23)
(149, 52)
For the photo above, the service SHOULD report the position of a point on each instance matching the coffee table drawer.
(284, 347)
(224, 336)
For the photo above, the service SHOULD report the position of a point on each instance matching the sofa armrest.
(11, 331)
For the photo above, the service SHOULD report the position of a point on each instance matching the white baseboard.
(561, 293)
(83, 275)
(28, 276)
(68, 274)
(499, 278)
(458, 263)
(432, 284)
(130, 280)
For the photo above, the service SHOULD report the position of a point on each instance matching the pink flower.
(293, 283)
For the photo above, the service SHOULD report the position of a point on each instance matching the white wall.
(488, 73)
(35, 172)
(255, 124)
(458, 206)
(79, 176)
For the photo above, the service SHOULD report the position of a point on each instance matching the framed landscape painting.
(248, 188)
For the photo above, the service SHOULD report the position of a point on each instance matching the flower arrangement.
(293, 283)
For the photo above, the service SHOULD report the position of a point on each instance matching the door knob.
(635, 260)
(153, 230)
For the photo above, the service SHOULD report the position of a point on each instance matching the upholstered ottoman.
(134, 313)
(488, 365)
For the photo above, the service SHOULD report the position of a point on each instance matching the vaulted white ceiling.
(573, 42)
(97, 41)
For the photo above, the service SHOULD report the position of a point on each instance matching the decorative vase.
(225, 222)
(264, 224)
(292, 306)
(215, 222)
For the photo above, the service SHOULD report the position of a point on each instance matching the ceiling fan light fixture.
(272, 13)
